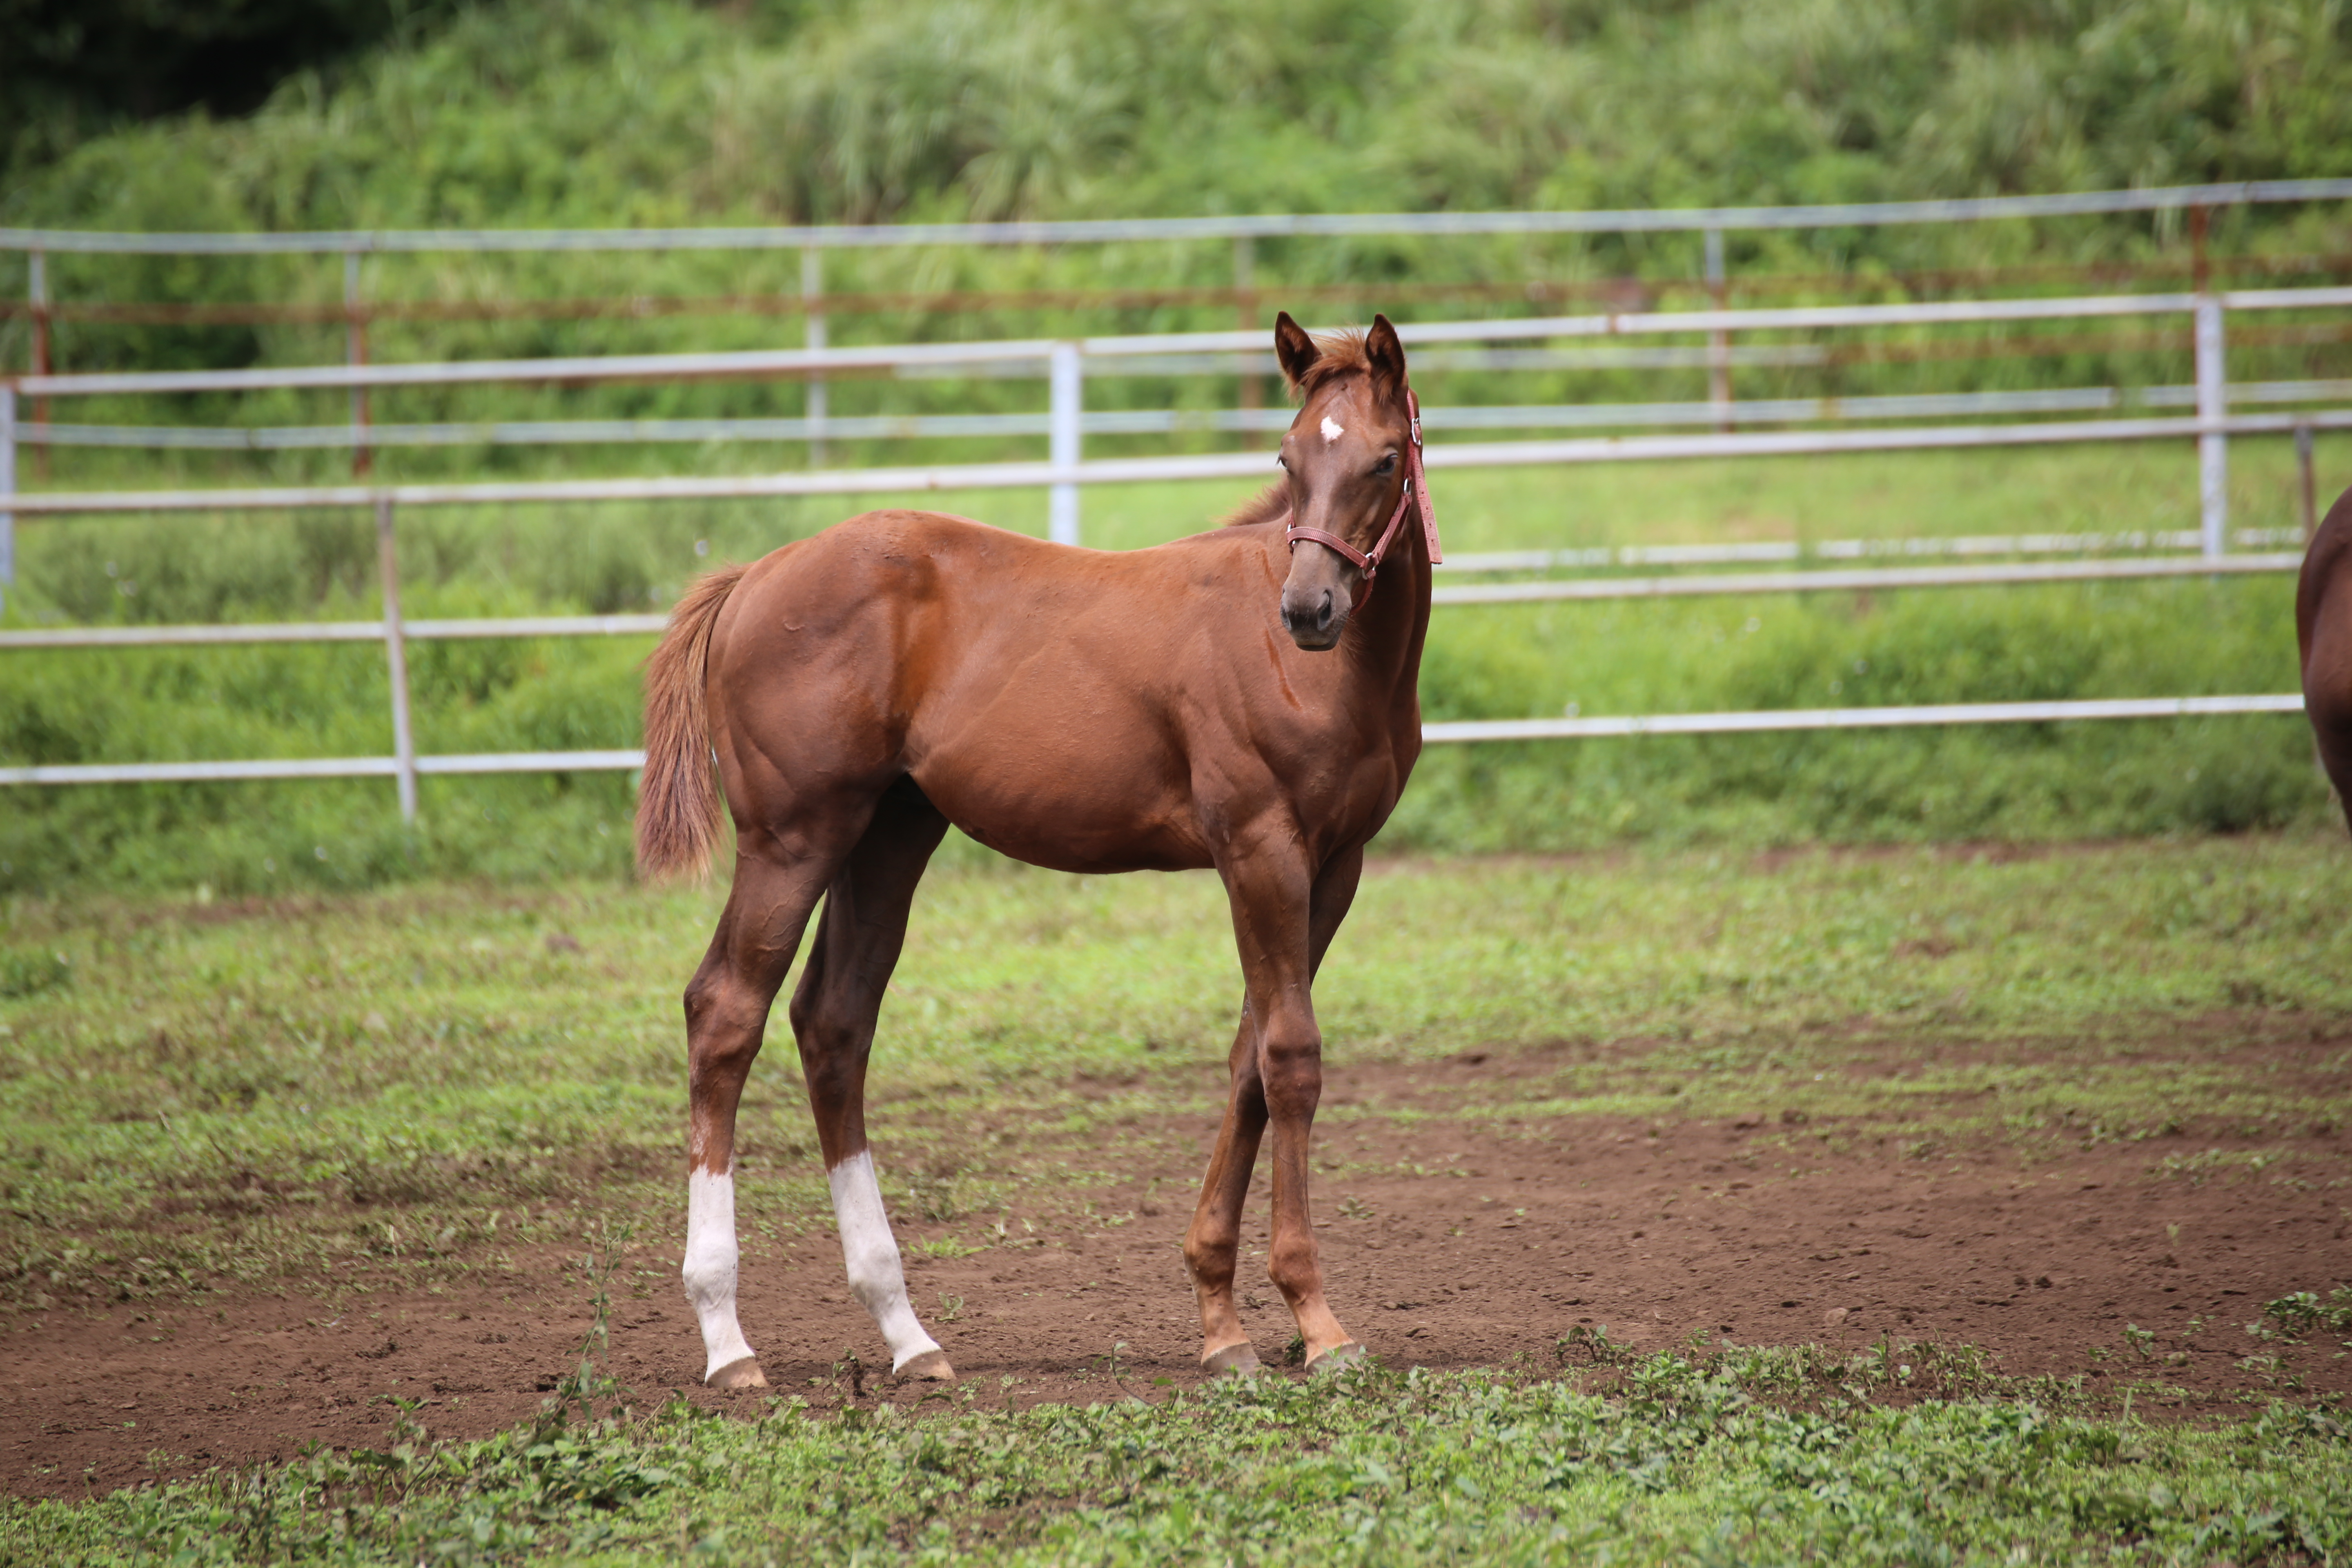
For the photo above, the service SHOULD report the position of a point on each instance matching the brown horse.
(1240, 700)
(2323, 631)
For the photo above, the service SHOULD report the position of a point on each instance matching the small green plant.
(579, 1392)
(1592, 1343)
(2141, 1341)
(29, 972)
(2304, 1312)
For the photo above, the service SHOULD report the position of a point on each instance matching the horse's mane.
(1343, 353)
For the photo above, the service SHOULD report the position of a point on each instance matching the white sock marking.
(1332, 429)
(709, 1271)
(876, 1276)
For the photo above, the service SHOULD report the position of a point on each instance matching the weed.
(2303, 1312)
(30, 973)
(1592, 1343)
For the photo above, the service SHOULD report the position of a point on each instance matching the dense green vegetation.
(984, 108)
(509, 114)
(559, 112)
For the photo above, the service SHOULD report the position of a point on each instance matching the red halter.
(1415, 494)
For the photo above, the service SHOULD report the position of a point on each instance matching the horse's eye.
(1387, 466)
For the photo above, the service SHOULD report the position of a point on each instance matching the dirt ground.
(1506, 1235)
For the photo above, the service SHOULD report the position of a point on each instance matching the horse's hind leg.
(726, 1016)
(833, 1013)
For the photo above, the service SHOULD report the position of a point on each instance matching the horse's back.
(2323, 618)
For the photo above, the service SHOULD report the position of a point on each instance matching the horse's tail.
(677, 804)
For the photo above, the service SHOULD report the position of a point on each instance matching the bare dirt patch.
(1450, 1240)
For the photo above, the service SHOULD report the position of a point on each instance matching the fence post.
(2303, 464)
(1252, 391)
(1718, 342)
(37, 295)
(2213, 445)
(1069, 398)
(396, 648)
(355, 353)
(819, 399)
(7, 489)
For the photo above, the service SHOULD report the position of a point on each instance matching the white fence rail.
(1064, 365)
(1434, 733)
(1107, 231)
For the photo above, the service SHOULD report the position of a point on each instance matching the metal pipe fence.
(1064, 365)
(1107, 231)
(814, 242)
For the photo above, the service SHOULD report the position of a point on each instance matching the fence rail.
(1105, 231)
(1037, 354)
(1065, 364)
(1442, 732)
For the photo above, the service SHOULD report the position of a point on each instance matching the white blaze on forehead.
(1332, 429)
(876, 1276)
(709, 1271)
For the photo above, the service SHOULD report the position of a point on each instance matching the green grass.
(190, 1091)
(194, 1096)
(1735, 1456)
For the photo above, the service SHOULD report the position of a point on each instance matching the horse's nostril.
(1323, 613)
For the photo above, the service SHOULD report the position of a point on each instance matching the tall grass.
(558, 111)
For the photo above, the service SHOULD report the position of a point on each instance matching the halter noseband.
(1416, 494)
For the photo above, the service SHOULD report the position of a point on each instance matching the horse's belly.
(1060, 796)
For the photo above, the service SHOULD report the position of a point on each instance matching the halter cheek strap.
(1414, 496)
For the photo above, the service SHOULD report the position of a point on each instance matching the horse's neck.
(1397, 626)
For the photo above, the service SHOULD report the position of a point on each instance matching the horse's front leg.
(1213, 1239)
(1284, 920)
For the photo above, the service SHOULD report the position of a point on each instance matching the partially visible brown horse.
(2323, 631)
(1242, 699)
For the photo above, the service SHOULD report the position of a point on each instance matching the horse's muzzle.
(1314, 618)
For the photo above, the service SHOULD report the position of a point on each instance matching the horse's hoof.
(931, 1366)
(1240, 1360)
(1346, 1354)
(742, 1372)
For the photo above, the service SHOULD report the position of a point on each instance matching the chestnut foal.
(1242, 699)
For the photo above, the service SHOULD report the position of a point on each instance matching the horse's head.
(1346, 460)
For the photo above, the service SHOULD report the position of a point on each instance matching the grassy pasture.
(198, 1096)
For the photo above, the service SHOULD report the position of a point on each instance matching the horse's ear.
(1385, 352)
(1294, 349)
